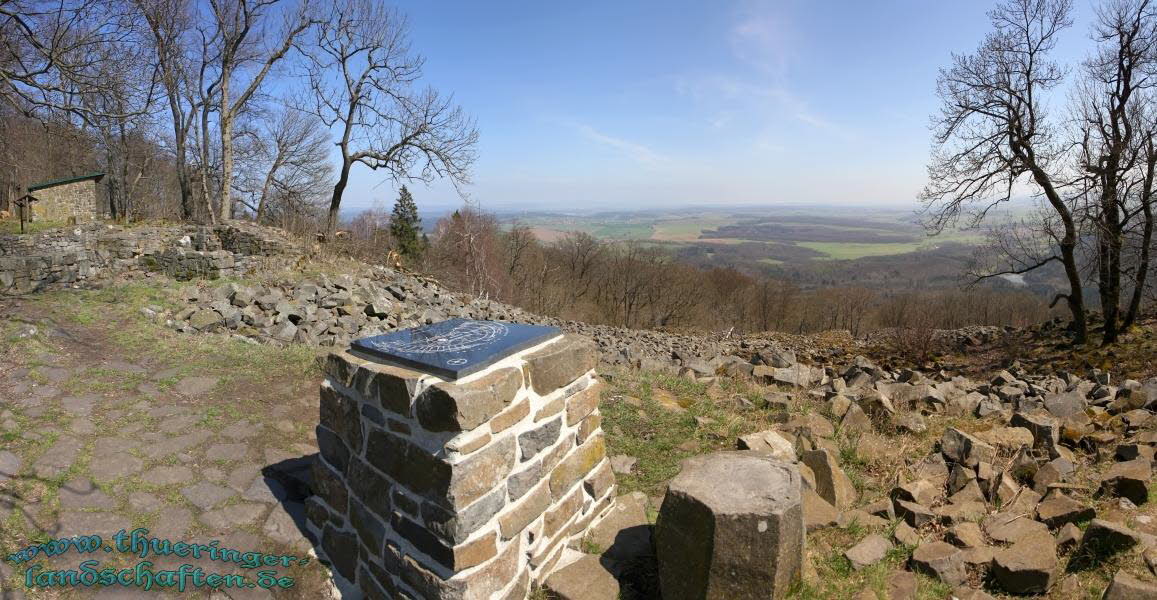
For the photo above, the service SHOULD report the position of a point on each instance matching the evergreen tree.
(406, 226)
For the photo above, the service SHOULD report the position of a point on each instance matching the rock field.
(331, 311)
(1030, 480)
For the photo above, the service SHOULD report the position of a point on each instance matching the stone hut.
(66, 199)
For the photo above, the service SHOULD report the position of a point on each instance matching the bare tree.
(994, 136)
(520, 252)
(1109, 101)
(290, 163)
(1144, 238)
(239, 25)
(119, 113)
(467, 248)
(727, 290)
(364, 79)
(205, 92)
(169, 23)
(52, 54)
(38, 148)
(581, 256)
(772, 301)
(673, 295)
(630, 284)
(79, 62)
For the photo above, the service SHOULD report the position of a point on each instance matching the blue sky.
(638, 104)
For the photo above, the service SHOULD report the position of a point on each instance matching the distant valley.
(815, 246)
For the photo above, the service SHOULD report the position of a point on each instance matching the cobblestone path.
(103, 429)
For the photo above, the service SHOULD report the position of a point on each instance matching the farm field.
(783, 235)
(689, 229)
(602, 230)
(853, 250)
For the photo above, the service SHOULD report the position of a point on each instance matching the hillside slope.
(185, 406)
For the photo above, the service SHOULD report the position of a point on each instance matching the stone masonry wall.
(68, 256)
(458, 490)
(63, 202)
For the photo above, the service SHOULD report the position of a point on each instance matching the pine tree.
(406, 226)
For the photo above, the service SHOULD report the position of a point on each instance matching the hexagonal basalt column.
(457, 460)
(731, 527)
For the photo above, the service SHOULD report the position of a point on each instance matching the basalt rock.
(731, 526)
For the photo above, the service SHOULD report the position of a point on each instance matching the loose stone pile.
(465, 489)
(332, 311)
(998, 502)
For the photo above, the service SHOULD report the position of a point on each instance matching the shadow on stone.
(288, 483)
(76, 490)
(631, 559)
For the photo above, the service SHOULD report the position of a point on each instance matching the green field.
(847, 251)
(689, 229)
(600, 228)
(621, 231)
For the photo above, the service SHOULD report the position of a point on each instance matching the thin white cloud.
(800, 110)
(636, 151)
(752, 98)
(761, 38)
(721, 119)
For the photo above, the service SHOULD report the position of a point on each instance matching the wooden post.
(24, 203)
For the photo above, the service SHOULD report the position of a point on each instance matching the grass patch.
(588, 546)
(211, 417)
(13, 226)
(138, 338)
(100, 380)
(835, 578)
(661, 420)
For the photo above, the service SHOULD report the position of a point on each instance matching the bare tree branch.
(364, 75)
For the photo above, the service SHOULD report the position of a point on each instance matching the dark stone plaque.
(454, 348)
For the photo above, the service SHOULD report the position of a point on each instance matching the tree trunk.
(1074, 298)
(205, 197)
(335, 200)
(1142, 267)
(179, 139)
(1109, 259)
(226, 150)
(1068, 246)
(183, 183)
(264, 193)
(110, 165)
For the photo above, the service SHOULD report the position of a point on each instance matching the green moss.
(588, 546)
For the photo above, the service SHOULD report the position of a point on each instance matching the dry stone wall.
(471, 489)
(70, 256)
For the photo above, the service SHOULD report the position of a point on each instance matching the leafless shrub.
(916, 339)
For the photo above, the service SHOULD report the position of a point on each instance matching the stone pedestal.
(466, 489)
(731, 528)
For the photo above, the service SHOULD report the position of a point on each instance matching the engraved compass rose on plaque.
(464, 336)
(454, 348)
